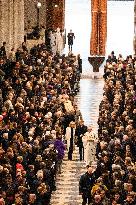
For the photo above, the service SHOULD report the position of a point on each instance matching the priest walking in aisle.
(70, 138)
(89, 143)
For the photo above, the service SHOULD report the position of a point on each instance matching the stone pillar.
(4, 22)
(55, 14)
(98, 33)
(94, 32)
(11, 23)
(99, 27)
(18, 18)
(103, 27)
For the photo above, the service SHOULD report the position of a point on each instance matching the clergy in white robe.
(53, 43)
(59, 42)
(89, 144)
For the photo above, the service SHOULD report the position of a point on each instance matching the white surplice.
(89, 143)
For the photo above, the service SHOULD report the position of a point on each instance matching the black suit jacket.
(70, 36)
(80, 130)
(86, 182)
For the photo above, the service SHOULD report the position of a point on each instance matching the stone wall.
(31, 14)
(12, 23)
(55, 14)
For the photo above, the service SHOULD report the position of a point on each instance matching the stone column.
(94, 32)
(18, 22)
(99, 27)
(102, 27)
(98, 33)
(55, 14)
(4, 22)
(11, 23)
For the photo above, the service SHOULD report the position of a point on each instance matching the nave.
(32, 125)
(67, 183)
(91, 90)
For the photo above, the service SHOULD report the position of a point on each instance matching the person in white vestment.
(42, 34)
(59, 42)
(70, 138)
(53, 42)
(89, 143)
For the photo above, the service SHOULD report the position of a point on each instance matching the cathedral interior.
(67, 102)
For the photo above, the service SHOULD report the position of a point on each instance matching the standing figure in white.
(89, 143)
(53, 43)
(59, 42)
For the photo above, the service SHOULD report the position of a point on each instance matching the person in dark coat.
(79, 63)
(71, 37)
(80, 131)
(86, 182)
(3, 50)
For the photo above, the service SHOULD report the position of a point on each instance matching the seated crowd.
(35, 88)
(116, 148)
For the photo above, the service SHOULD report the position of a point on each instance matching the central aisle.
(68, 182)
(91, 90)
(88, 100)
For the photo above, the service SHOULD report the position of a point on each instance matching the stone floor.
(88, 100)
(91, 84)
(67, 192)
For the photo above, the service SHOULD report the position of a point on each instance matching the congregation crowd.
(38, 115)
(111, 180)
(37, 104)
